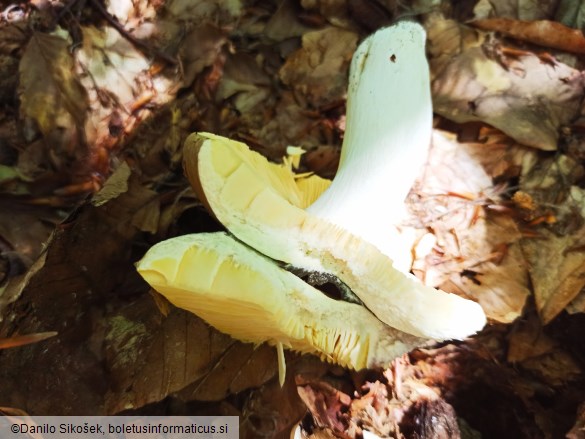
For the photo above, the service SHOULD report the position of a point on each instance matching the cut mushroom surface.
(246, 295)
(239, 187)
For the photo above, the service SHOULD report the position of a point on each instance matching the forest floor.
(95, 103)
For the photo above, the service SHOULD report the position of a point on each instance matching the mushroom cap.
(246, 295)
(263, 206)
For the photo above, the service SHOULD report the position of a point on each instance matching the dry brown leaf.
(539, 353)
(474, 253)
(543, 33)
(285, 23)
(554, 246)
(206, 10)
(578, 430)
(289, 126)
(200, 48)
(527, 340)
(323, 160)
(114, 186)
(147, 218)
(87, 259)
(239, 367)
(577, 305)
(21, 340)
(571, 13)
(271, 410)
(335, 11)
(150, 357)
(244, 81)
(318, 71)
(520, 9)
(528, 99)
(325, 402)
(556, 271)
(12, 39)
(50, 92)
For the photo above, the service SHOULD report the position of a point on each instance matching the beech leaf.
(50, 92)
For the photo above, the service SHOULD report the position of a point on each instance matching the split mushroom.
(246, 295)
(346, 231)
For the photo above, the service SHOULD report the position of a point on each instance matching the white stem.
(388, 131)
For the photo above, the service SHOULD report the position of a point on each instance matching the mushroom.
(346, 231)
(246, 295)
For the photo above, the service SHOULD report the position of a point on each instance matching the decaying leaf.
(180, 355)
(325, 402)
(334, 10)
(207, 10)
(21, 340)
(285, 23)
(475, 252)
(519, 9)
(50, 92)
(118, 83)
(579, 427)
(528, 99)
(201, 48)
(288, 124)
(571, 13)
(544, 33)
(577, 305)
(318, 70)
(116, 185)
(556, 270)
(243, 81)
(554, 253)
(238, 368)
(531, 348)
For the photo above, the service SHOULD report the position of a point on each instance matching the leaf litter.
(497, 220)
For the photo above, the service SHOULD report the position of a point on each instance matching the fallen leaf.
(201, 47)
(335, 11)
(150, 357)
(289, 125)
(556, 272)
(577, 305)
(285, 23)
(528, 10)
(87, 258)
(528, 340)
(476, 253)
(271, 410)
(244, 82)
(554, 253)
(318, 71)
(323, 160)
(325, 403)
(579, 427)
(239, 367)
(543, 33)
(21, 340)
(50, 92)
(524, 97)
(571, 13)
(114, 186)
(205, 10)
(122, 90)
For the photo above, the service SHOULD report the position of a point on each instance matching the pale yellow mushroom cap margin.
(244, 294)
